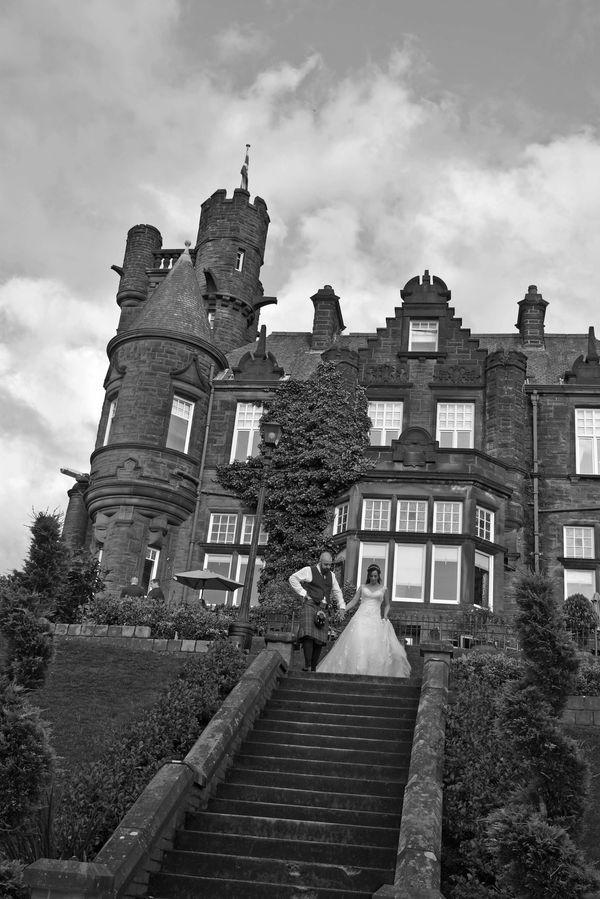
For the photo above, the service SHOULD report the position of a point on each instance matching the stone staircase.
(311, 805)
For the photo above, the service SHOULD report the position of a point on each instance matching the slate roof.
(176, 304)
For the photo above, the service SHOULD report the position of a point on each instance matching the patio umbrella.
(202, 579)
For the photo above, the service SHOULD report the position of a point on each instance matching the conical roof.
(177, 304)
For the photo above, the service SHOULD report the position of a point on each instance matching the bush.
(189, 622)
(277, 598)
(587, 682)
(12, 885)
(82, 582)
(96, 796)
(580, 618)
(25, 758)
(27, 638)
(537, 860)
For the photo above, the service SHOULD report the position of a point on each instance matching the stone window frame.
(375, 514)
(570, 541)
(415, 326)
(179, 398)
(253, 430)
(383, 409)
(340, 517)
(454, 430)
(112, 411)
(490, 575)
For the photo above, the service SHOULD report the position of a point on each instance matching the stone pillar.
(76, 517)
(530, 321)
(328, 321)
(418, 862)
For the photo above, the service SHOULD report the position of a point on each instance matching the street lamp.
(240, 631)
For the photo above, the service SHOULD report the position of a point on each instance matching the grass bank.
(93, 690)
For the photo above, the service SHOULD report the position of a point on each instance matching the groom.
(315, 584)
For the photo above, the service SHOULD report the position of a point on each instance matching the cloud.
(239, 41)
(370, 178)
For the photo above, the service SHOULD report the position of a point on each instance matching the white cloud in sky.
(369, 177)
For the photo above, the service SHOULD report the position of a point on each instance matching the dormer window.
(239, 260)
(423, 336)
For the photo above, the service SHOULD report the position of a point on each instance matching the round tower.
(143, 241)
(229, 254)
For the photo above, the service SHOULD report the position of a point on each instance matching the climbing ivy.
(321, 454)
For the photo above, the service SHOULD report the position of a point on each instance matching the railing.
(587, 639)
(164, 260)
(463, 630)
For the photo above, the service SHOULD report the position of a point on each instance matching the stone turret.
(229, 254)
(143, 241)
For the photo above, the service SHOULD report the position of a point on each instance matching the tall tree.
(47, 563)
(321, 453)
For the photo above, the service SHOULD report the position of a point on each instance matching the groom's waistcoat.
(320, 586)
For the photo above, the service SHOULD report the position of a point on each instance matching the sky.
(387, 136)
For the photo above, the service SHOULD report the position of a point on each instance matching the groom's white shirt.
(305, 574)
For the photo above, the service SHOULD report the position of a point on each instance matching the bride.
(368, 645)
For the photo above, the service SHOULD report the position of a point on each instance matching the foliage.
(12, 884)
(515, 783)
(83, 580)
(25, 758)
(189, 622)
(587, 682)
(47, 563)
(537, 859)
(97, 795)
(580, 618)
(277, 598)
(321, 453)
(27, 641)
(550, 657)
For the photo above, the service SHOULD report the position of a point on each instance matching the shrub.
(12, 885)
(46, 566)
(97, 796)
(587, 682)
(82, 582)
(189, 622)
(537, 859)
(27, 638)
(25, 758)
(580, 617)
(277, 598)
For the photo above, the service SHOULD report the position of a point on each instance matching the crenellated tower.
(229, 254)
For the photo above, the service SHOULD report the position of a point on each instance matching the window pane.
(111, 414)
(579, 542)
(412, 515)
(246, 432)
(446, 570)
(242, 567)
(580, 582)
(484, 523)
(376, 514)
(372, 553)
(587, 432)
(179, 425)
(386, 421)
(248, 530)
(220, 564)
(423, 336)
(447, 518)
(408, 573)
(483, 577)
(340, 518)
(222, 528)
(455, 424)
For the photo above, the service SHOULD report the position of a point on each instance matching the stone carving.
(415, 448)
(467, 373)
(384, 373)
(129, 469)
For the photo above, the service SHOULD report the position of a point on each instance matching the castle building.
(486, 446)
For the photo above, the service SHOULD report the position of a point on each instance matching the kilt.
(308, 628)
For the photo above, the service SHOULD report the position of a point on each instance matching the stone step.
(318, 753)
(335, 725)
(261, 737)
(343, 683)
(327, 706)
(285, 808)
(281, 848)
(239, 787)
(311, 766)
(277, 871)
(290, 829)
(287, 712)
(176, 886)
(317, 781)
(360, 700)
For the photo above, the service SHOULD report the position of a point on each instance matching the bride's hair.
(373, 568)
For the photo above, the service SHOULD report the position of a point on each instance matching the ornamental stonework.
(384, 373)
(467, 373)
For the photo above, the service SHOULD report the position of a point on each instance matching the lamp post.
(240, 631)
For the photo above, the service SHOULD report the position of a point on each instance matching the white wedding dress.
(368, 645)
